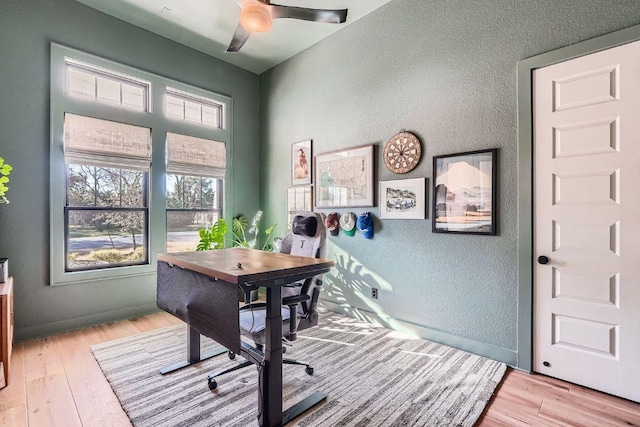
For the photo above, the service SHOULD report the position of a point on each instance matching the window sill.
(77, 277)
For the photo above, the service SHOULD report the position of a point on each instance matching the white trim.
(525, 173)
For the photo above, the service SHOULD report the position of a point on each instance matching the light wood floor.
(55, 381)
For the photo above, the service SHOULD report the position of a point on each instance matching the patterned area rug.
(373, 376)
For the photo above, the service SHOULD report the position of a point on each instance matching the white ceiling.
(208, 26)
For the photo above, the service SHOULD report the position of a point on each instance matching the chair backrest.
(308, 237)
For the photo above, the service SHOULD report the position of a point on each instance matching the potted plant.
(5, 170)
(215, 237)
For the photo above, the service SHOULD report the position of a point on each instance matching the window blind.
(104, 143)
(188, 155)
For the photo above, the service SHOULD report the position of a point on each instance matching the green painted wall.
(447, 72)
(26, 30)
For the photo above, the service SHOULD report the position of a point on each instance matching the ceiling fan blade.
(315, 15)
(240, 36)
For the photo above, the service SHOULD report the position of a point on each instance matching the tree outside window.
(106, 216)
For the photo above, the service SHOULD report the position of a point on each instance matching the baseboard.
(23, 334)
(477, 347)
(490, 351)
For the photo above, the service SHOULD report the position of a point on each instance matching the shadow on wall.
(349, 285)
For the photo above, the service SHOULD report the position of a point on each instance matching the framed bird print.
(301, 163)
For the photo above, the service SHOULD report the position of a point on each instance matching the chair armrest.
(293, 302)
(295, 299)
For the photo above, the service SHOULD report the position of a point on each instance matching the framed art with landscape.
(402, 199)
(464, 193)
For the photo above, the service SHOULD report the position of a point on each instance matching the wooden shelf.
(6, 327)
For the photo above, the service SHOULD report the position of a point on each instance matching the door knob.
(543, 260)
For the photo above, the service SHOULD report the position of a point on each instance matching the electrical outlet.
(374, 293)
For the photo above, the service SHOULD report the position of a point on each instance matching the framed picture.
(301, 163)
(464, 194)
(403, 199)
(299, 199)
(345, 178)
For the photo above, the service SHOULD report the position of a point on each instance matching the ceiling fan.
(257, 16)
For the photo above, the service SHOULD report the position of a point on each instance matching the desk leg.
(270, 404)
(193, 353)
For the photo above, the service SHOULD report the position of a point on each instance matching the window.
(194, 108)
(106, 214)
(195, 170)
(90, 82)
(126, 181)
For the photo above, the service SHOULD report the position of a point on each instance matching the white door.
(587, 220)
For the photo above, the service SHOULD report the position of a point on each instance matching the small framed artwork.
(345, 178)
(301, 163)
(299, 199)
(403, 199)
(464, 194)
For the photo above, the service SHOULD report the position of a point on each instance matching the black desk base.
(248, 352)
(254, 356)
(193, 353)
(303, 406)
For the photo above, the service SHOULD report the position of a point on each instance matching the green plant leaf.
(267, 246)
(213, 238)
(239, 225)
(270, 230)
(5, 170)
(219, 228)
(218, 233)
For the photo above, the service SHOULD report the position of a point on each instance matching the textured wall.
(445, 70)
(26, 30)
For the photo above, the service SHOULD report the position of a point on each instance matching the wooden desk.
(6, 326)
(251, 268)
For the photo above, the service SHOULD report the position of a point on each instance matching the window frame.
(154, 118)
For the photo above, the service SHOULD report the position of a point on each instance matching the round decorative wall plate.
(402, 153)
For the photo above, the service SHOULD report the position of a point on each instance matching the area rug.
(372, 375)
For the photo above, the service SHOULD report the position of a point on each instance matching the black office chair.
(299, 299)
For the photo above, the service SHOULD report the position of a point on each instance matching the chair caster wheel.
(309, 370)
(212, 384)
(231, 355)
